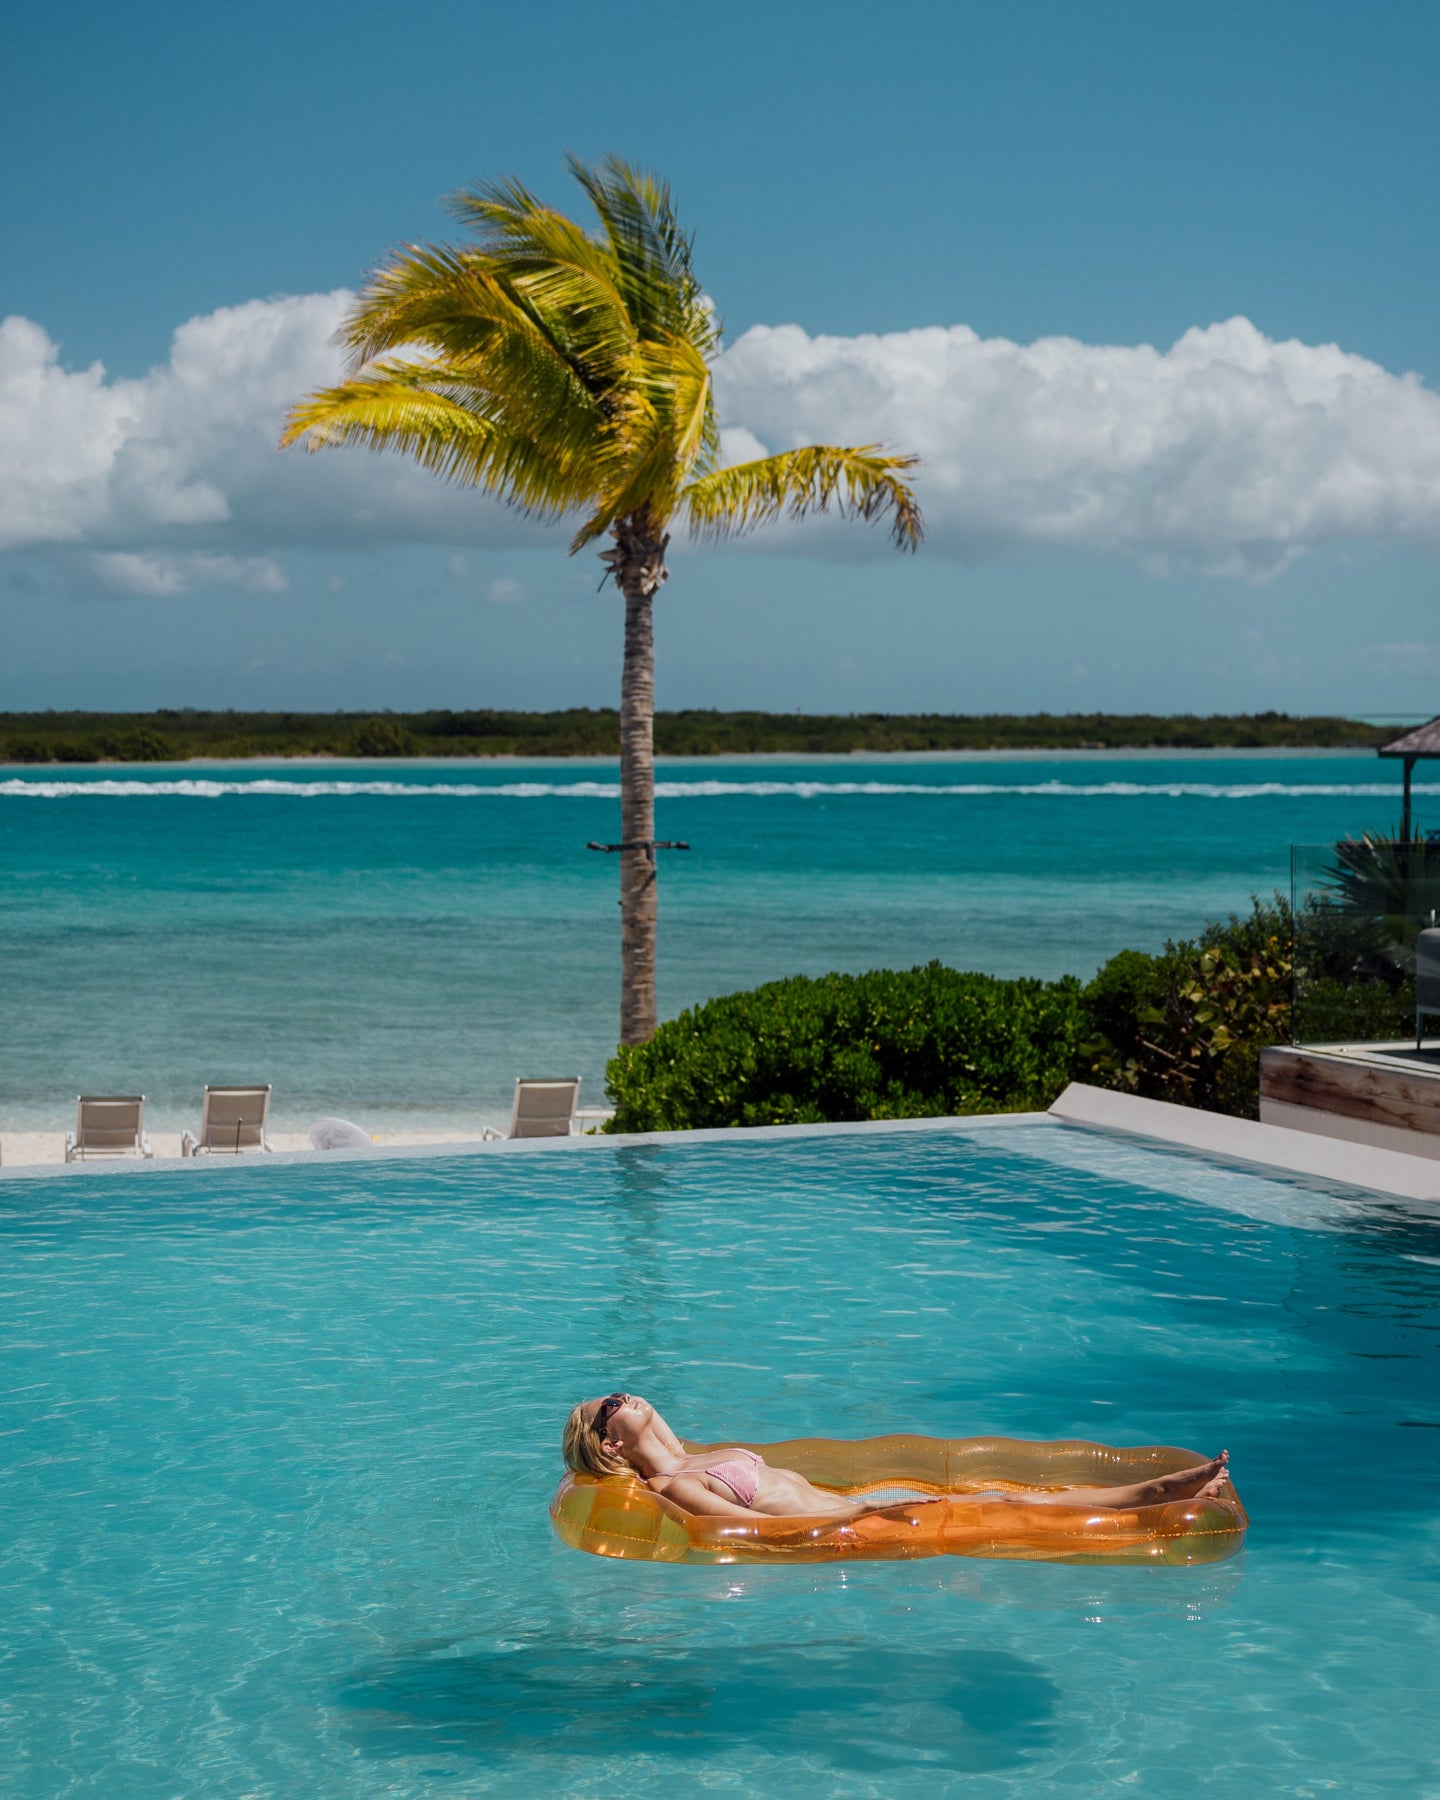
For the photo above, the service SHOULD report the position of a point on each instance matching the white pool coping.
(1214, 1136)
(1392, 1173)
(136, 1165)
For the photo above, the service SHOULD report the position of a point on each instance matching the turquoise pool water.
(278, 1443)
(397, 942)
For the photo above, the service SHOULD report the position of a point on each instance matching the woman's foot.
(1202, 1482)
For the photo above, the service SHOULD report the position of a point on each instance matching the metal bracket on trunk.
(648, 845)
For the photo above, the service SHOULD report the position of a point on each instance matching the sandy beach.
(28, 1149)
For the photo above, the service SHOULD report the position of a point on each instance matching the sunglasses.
(607, 1407)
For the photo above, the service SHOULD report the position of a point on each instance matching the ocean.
(396, 942)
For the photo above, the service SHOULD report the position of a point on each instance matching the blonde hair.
(584, 1450)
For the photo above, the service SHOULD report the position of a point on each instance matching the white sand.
(22, 1149)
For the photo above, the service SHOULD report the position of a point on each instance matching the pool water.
(278, 1443)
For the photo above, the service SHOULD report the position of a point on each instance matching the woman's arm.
(691, 1493)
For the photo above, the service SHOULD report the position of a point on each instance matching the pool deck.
(1392, 1173)
(1387, 1174)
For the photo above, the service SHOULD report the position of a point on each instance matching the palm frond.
(458, 302)
(407, 407)
(1391, 878)
(665, 434)
(864, 483)
(675, 380)
(566, 277)
(424, 292)
(652, 255)
(642, 486)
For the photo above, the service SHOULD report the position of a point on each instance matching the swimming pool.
(279, 1441)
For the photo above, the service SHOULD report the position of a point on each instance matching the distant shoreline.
(589, 734)
(1272, 752)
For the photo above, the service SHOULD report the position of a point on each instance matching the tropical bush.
(138, 745)
(380, 737)
(28, 750)
(892, 1044)
(1185, 1025)
(1338, 1011)
(1188, 1025)
(1356, 937)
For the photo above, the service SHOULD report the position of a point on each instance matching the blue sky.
(1246, 523)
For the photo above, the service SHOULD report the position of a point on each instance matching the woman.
(624, 1435)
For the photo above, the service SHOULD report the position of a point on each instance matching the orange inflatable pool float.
(955, 1502)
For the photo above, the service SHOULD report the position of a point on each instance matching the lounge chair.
(542, 1109)
(108, 1125)
(1427, 979)
(232, 1122)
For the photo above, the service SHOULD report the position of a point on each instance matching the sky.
(1150, 290)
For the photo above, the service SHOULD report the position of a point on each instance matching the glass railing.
(1362, 909)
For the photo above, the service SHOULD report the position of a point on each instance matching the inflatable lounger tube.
(968, 1500)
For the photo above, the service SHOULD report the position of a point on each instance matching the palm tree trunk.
(638, 564)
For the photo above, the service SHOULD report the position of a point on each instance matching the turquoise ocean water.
(278, 1443)
(396, 942)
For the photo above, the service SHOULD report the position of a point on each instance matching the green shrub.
(380, 737)
(27, 750)
(1354, 1012)
(140, 745)
(1189, 1024)
(888, 1045)
(1355, 939)
(1127, 992)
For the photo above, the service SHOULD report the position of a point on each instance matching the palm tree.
(569, 372)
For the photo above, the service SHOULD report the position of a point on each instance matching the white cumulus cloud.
(131, 572)
(183, 460)
(506, 591)
(1229, 451)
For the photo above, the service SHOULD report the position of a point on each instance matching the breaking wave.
(198, 788)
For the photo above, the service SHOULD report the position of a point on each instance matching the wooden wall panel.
(1407, 1099)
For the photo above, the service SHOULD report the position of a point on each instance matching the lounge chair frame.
(542, 1108)
(232, 1122)
(107, 1125)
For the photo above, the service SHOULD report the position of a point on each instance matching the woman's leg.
(1198, 1483)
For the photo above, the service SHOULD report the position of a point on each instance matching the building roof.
(1423, 741)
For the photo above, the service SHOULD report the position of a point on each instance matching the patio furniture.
(232, 1122)
(1427, 978)
(542, 1109)
(108, 1125)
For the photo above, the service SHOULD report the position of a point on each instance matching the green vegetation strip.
(1186, 1024)
(177, 736)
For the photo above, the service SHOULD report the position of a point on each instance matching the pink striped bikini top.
(742, 1478)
